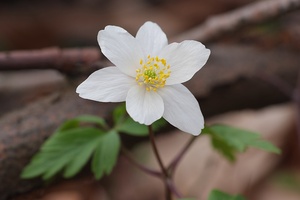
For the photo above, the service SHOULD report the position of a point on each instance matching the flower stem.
(170, 187)
(143, 168)
(153, 144)
(174, 163)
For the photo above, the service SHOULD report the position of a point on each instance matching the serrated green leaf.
(64, 150)
(229, 141)
(75, 122)
(67, 125)
(219, 195)
(224, 148)
(265, 145)
(80, 160)
(106, 154)
(92, 119)
(130, 127)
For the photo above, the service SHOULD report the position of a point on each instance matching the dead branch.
(65, 60)
(257, 12)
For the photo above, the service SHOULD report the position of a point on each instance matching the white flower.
(147, 75)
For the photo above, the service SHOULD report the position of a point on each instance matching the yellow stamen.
(153, 73)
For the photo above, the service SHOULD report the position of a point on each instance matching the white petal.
(106, 85)
(151, 38)
(185, 59)
(182, 109)
(116, 29)
(121, 48)
(143, 106)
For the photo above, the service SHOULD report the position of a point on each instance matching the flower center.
(153, 73)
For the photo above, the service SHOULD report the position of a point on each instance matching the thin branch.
(66, 60)
(256, 12)
(143, 168)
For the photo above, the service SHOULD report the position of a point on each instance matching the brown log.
(69, 61)
(23, 131)
(257, 12)
(19, 88)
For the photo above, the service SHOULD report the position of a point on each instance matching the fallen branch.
(257, 12)
(65, 60)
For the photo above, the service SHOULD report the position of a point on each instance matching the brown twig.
(70, 61)
(256, 12)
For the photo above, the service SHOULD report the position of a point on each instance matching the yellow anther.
(153, 73)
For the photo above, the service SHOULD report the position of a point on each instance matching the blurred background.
(253, 66)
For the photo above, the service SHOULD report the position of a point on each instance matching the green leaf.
(67, 150)
(92, 119)
(265, 145)
(130, 127)
(67, 125)
(229, 141)
(106, 154)
(219, 195)
(75, 122)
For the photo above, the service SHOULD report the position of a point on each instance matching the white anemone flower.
(148, 73)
